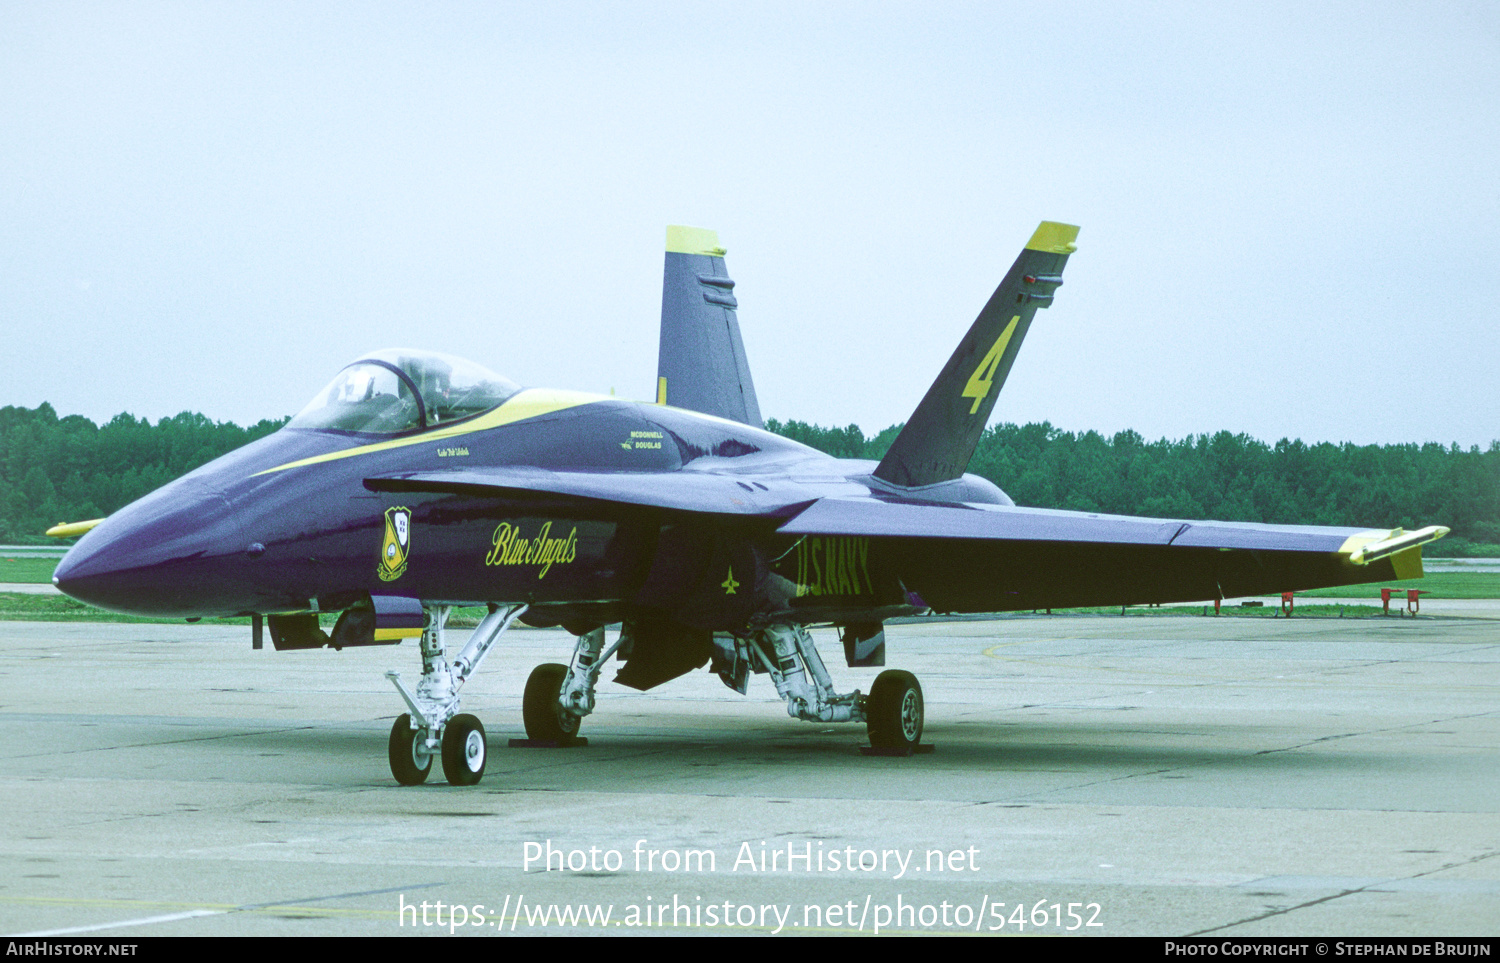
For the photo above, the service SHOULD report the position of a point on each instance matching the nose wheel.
(464, 750)
(411, 760)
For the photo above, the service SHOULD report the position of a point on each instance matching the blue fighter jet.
(416, 482)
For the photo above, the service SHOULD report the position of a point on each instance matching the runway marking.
(319, 899)
(143, 921)
(297, 905)
(1000, 645)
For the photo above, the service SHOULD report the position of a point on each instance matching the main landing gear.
(893, 712)
(434, 726)
(559, 696)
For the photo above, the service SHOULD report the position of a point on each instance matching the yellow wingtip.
(693, 240)
(1054, 238)
(72, 529)
(1372, 545)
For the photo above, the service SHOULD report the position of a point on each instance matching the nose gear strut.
(434, 726)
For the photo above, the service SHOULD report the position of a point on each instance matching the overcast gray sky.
(1289, 211)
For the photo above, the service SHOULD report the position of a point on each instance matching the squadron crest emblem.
(397, 545)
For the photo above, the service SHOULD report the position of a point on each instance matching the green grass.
(1302, 610)
(60, 608)
(1442, 585)
(27, 569)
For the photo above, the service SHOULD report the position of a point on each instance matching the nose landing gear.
(434, 726)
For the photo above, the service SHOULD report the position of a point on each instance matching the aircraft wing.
(689, 491)
(998, 558)
(873, 517)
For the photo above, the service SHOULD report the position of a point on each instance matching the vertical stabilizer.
(701, 364)
(940, 438)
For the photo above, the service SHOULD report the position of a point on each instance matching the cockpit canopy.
(400, 390)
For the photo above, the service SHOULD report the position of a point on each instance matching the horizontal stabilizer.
(689, 491)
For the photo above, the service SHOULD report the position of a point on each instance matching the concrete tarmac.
(1092, 775)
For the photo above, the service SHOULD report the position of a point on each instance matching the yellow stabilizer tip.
(693, 240)
(72, 529)
(1054, 238)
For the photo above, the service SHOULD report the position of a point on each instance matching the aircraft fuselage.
(289, 524)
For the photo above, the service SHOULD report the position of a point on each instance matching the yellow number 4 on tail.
(984, 375)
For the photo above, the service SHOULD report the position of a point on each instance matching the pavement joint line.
(1376, 885)
(1371, 732)
(1074, 787)
(1279, 912)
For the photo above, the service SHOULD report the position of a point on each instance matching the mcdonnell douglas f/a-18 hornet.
(415, 482)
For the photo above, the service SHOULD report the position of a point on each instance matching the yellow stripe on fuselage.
(531, 403)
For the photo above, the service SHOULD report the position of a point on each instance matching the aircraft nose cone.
(177, 552)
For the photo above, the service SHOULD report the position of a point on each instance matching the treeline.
(67, 469)
(1227, 477)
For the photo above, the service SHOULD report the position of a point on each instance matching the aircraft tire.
(544, 718)
(894, 712)
(464, 750)
(409, 764)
